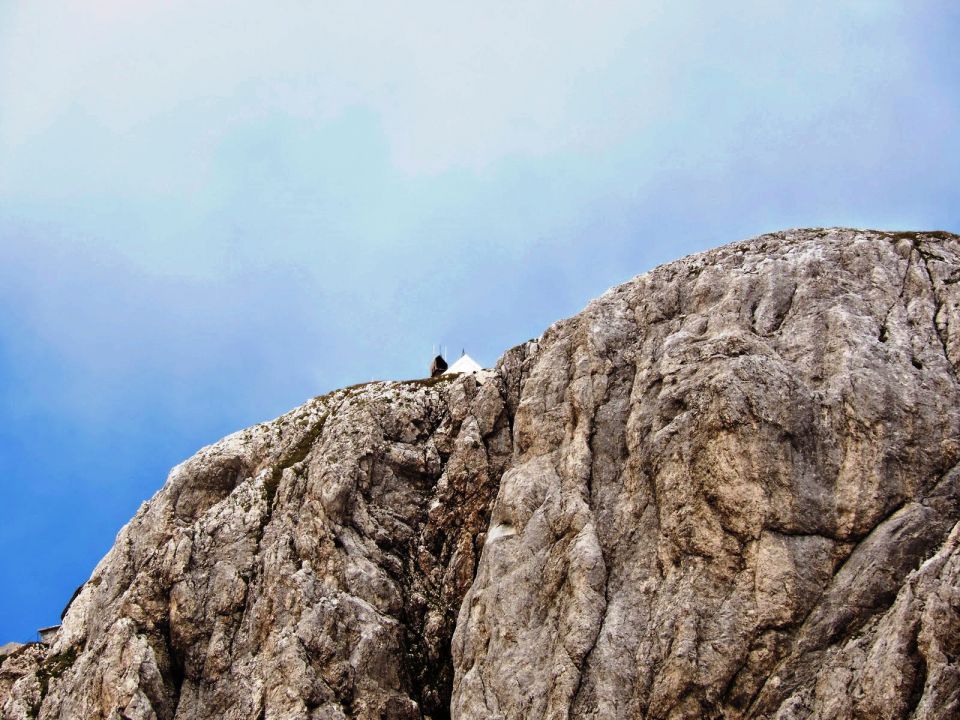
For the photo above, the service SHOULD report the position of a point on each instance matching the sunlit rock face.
(726, 489)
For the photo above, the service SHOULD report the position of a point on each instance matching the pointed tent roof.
(465, 364)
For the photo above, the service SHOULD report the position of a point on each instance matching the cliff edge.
(726, 489)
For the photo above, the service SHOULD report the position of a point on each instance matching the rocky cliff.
(727, 489)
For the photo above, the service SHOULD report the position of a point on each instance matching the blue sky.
(209, 214)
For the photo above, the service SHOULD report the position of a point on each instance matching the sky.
(210, 212)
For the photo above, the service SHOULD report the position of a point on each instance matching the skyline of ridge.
(209, 214)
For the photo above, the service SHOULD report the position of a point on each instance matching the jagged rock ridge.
(727, 488)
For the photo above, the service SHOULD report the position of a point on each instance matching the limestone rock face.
(729, 488)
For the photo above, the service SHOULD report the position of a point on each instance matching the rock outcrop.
(727, 489)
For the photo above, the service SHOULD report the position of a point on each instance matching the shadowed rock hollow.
(726, 489)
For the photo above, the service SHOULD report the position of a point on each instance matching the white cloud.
(454, 84)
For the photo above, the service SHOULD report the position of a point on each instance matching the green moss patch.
(52, 668)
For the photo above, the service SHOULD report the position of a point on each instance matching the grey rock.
(727, 488)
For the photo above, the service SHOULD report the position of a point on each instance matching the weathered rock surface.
(727, 489)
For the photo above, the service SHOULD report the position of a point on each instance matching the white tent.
(465, 364)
